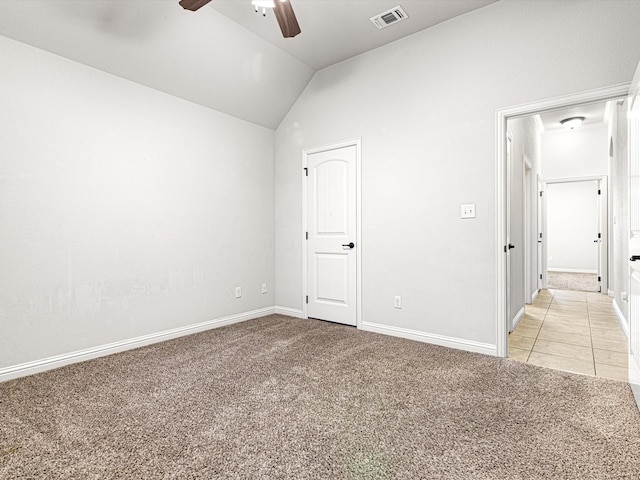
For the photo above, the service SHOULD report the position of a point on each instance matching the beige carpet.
(573, 281)
(282, 398)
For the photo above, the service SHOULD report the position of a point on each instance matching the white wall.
(123, 211)
(572, 226)
(581, 152)
(425, 108)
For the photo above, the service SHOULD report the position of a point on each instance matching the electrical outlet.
(468, 210)
(264, 288)
(238, 292)
(397, 301)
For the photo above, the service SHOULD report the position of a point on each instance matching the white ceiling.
(594, 114)
(224, 56)
(334, 30)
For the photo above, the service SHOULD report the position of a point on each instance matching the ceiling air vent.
(389, 17)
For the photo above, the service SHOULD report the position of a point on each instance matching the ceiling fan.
(281, 8)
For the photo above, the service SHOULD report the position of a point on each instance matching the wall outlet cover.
(468, 210)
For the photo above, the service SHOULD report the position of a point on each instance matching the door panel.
(603, 236)
(634, 235)
(332, 278)
(542, 264)
(331, 227)
(509, 266)
(573, 225)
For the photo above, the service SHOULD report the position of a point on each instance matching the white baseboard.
(534, 295)
(571, 270)
(621, 319)
(442, 340)
(290, 312)
(50, 363)
(516, 320)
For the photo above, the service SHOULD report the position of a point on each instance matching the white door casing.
(332, 233)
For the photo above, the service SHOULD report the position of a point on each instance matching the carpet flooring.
(573, 281)
(284, 398)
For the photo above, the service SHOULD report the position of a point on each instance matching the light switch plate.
(468, 210)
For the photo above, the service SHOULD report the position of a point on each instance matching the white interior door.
(528, 288)
(634, 235)
(508, 246)
(572, 225)
(331, 230)
(603, 236)
(542, 265)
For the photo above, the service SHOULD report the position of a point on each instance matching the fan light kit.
(572, 122)
(263, 4)
(281, 8)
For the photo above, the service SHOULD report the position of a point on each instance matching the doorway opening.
(504, 204)
(577, 234)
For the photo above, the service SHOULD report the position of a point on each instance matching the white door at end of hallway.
(331, 235)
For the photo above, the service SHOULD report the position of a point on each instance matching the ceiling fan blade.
(193, 5)
(286, 18)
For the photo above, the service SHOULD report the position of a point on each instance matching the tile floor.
(573, 331)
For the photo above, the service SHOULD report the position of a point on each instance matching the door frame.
(508, 161)
(527, 179)
(357, 143)
(501, 189)
(603, 223)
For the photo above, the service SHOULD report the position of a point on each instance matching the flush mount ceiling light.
(572, 122)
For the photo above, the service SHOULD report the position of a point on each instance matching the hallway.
(573, 331)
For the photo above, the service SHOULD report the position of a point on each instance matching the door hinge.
(306, 235)
(306, 171)
(540, 234)
(541, 193)
(599, 235)
(599, 279)
(540, 276)
(505, 249)
(599, 192)
(307, 299)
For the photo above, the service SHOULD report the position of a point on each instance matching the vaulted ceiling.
(224, 56)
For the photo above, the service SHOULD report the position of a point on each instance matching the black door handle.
(350, 244)
(511, 246)
(634, 258)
